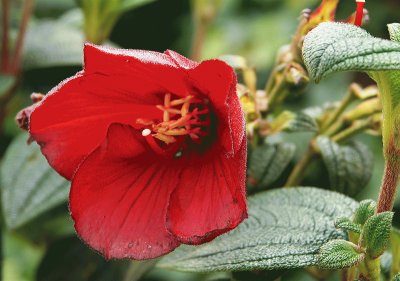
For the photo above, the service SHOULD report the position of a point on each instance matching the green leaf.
(29, 186)
(364, 211)
(294, 122)
(285, 229)
(132, 4)
(333, 47)
(397, 277)
(394, 31)
(338, 254)
(349, 167)
(52, 43)
(268, 161)
(6, 82)
(376, 233)
(348, 225)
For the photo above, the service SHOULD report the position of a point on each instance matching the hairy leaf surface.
(285, 229)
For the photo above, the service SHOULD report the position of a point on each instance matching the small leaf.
(285, 229)
(29, 186)
(338, 254)
(294, 122)
(364, 211)
(394, 31)
(333, 47)
(348, 225)
(349, 167)
(268, 161)
(6, 82)
(376, 233)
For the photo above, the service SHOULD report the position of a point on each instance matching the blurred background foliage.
(41, 244)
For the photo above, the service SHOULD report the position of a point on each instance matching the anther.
(146, 132)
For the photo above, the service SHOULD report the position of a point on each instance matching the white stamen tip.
(146, 132)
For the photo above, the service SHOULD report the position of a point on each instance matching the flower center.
(183, 119)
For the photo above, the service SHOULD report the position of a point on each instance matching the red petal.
(73, 119)
(119, 198)
(181, 60)
(210, 198)
(217, 80)
(143, 68)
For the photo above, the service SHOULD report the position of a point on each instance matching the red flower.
(154, 145)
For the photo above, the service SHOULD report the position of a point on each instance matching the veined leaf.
(376, 233)
(349, 167)
(285, 229)
(333, 47)
(338, 254)
(268, 161)
(29, 186)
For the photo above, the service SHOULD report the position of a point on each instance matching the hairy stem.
(5, 26)
(26, 14)
(390, 180)
(298, 171)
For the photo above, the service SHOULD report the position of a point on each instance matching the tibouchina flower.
(154, 145)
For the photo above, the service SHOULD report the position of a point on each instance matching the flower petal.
(143, 68)
(210, 198)
(119, 198)
(217, 80)
(73, 119)
(180, 60)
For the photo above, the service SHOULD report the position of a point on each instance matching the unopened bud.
(364, 109)
(296, 76)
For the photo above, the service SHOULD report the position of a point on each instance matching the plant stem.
(356, 128)
(200, 32)
(373, 267)
(298, 171)
(26, 14)
(348, 99)
(390, 179)
(5, 44)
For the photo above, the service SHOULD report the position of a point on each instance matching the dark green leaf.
(364, 211)
(268, 161)
(349, 167)
(376, 233)
(339, 254)
(29, 186)
(333, 47)
(285, 229)
(6, 82)
(51, 43)
(348, 225)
